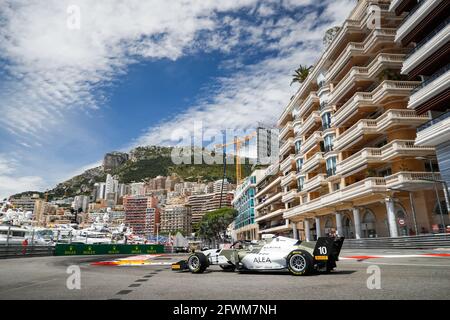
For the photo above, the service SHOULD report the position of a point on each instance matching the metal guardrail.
(408, 242)
(19, 251)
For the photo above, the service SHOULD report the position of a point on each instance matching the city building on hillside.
(26, 203)
(176, 218)
(141, 214)
(348, 157)
(137, 189)
(244, 203)
(427, 26)
(81, 202)
(202, 203)
(41, 210)
(218, 186)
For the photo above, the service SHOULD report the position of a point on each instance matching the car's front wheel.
(197, 262)
(300, 262)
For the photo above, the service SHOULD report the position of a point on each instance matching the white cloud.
(10, 183)
(52, 72)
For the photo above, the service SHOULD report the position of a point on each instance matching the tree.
(215, 223)
(300, 74)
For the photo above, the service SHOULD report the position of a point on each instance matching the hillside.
(143, 163)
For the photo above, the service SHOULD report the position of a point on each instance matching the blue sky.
(135, 71)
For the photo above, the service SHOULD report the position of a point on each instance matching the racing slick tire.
(300, 263)
(229, 267)
(197, 262)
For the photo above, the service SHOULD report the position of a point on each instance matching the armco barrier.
(18, 251)
(94, 249)
(409, 242)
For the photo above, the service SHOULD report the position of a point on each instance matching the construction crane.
(238, 142)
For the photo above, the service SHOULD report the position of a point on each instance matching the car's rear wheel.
(300, 262)
(197, 262)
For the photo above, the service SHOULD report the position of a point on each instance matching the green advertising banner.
(93, 249)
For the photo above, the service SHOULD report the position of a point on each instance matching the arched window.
(401, 220)
(347, 227)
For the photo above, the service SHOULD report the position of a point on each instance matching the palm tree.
(300, 74)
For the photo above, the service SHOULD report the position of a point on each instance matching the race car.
(273, 254)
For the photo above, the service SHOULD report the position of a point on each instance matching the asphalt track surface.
(402, 277)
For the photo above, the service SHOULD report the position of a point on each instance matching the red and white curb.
(422, 255)
(142, 260)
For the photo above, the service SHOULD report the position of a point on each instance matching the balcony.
(367, 102)
(415, 17)
(397, 148)
(359, 189)
(289, 196)
(376, 38)
(412, 181)
(389, 119)
(366, 74)
(435, 131)
(312, 141)
(437, 84)
(287, 179)
(427, 47)
(315, 183)
(287, 163)
(313, 162)
(309, 102)
(286, 130)
(286, 145)
(277, 227)
(270, 215)
(268, 187)
(269, 200)
(312, 121)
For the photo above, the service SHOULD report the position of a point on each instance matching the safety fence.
(407, 242)
(17, 251)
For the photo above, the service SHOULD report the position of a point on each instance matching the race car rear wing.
(328, 249)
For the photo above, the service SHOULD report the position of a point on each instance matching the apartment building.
(141, 214)
(426, 27)
(245, 227)
(269, 207)
(176, 218)
(203, 203)
(348, 159)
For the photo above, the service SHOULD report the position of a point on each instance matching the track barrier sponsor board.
(97, 249)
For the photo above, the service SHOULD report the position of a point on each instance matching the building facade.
(176, 218)
(269, 208)
(348, 159)
(244, 202)
(141, 214)
(426, 29)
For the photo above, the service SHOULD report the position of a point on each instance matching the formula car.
(273, 254)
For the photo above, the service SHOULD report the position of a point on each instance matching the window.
(336, 186)
(331, 166)
(328, 142)
(326, 120)
(298, 145)
(299, 164)
(300, 183)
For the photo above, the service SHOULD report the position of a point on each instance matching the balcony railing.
(313, 119)
(286, 145)
(383, 154)
(312, 162)
(315, 182)
(288, 127)
(383, 60)
(314, 139)
(378, 126)
(308, 103)
(434, 121)
(371, 99)
(430, 79)
(425, 40)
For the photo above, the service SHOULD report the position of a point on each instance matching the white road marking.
(406, 264)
